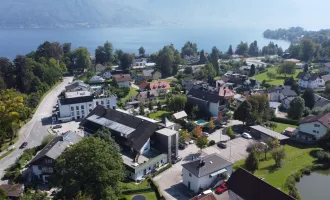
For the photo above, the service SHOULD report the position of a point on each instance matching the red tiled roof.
(204, 197)
(161, 85)
(323, 119)
(228, 93)
(143, 85)
(122, 77)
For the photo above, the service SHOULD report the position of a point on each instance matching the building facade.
(312, 128)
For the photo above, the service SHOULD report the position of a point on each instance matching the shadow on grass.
(271, 169)
(138, 191)
(299, 145)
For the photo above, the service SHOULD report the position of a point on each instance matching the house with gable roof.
(310, 80)
(281, 94)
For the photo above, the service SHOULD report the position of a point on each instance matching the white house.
(281, 94)
(313, 128)
(96, 79)
(77, 105)
(307, 80)
(243, 185)
(42, 165)
(206, 172)
(123, 80)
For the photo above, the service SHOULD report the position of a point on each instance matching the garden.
(277, 80)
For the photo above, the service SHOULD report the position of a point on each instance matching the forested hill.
(296, 34)
(70, 13)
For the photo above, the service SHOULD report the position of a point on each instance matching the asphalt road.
(36, 129)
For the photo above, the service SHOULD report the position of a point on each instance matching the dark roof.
(55, 147)
(234, 80)
(209, 196)
(326, 78)
(66, 101)
(143, 128)
(15, 190)
(307, 76)
(268, 132)
(286, 90)
(320, 101)
(212, 163)
(76, 84)
(250, 187)
(322, 118)
(200, 93)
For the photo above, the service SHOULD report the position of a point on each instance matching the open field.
(276, 81)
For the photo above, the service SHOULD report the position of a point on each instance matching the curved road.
(34, 131)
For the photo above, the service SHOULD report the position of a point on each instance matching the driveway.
(36, 129)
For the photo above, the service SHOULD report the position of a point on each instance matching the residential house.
(151, 74)
(326, 78)
(242, 185)
(106, 74)
(327, 67)
(188, 83)
(143, 86)
(167, 123)
(182, 115)
(145, 146)
(42, 165)
(275, 106)
(307, 80)
(160, 86)
(292, 60)
(320, 101)
(77, 86)
(226, 93)
(14, 191)
(77, 105)
(147, 96)
(206, 172)
(264, 134)
(208, 100)
(96, 79)
(313, 128)
(123, 80)
(281, 94)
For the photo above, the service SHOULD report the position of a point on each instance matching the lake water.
(22, 41)
(316, 186)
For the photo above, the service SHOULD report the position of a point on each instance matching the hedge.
(285, 121)
(155, 187)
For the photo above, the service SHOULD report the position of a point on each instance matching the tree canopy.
(230, 50)
(297, 107)
(189, 49)
(287, 68)
(309, 98)
(126, 61)
(242, 49)
(215, 56)
(142, 51)
(92, 166)
(177, 102)
(242, 113)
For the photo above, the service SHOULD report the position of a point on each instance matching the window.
(72, 108)
(78, 113)
(82, 107)
(82, 112)
(83, 116)
(72, 113)
(77, 107)
(97, 103)
(316, 125)
(39, 167)
(102, 103)
(190, 174)
(314, 131)
(90, 105)
(108, 101)
(49, 161)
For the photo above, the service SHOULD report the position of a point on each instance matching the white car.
(191, 141)
(206, 134)
(247, 136)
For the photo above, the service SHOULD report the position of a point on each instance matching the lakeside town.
(243, 124)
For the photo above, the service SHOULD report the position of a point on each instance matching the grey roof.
(212, 163)
(166, 131)
(270, 133)
(148, 72)
(180, 115)
(286, 90)
(307, 76)
(326, 78)
(76, 84)
(166, 123)
(55, 148)
(320, 101)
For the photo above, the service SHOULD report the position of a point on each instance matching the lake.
(22, 41)
(315, 186)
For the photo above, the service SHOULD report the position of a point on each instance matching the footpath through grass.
(297, 157)
(279, 78)
(131, 189)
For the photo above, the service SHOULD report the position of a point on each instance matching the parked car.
(176, 160)
(182, 146)
(222, 188)
(23, 145)
(57, 126)
(222, 145)
(247, 136)
(191, 141)
(206, 134)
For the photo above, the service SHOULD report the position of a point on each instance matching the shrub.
(211, 143)
(285, 121)
(252, 162)
(230, 133)
(322, 156)
(306, 170)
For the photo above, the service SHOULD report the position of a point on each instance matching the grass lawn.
(131, 189)
(281, 127)
(217, 78)
(297, 157)
(132, 92)
(159, 114)
(279, 78)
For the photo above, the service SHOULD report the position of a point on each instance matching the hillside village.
(205, 128)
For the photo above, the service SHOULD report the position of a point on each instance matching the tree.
(49, 50)
(105, 135)
(242, 113)
(211, 125)
(309, 98)
(294, 50)
(177, 102)
(230, 50)
(202, 57)
(260, 110)
(230, 132)
(141, 109)
(280, 51)
(242, 49)
(126, 61)
(100, 56)
(252, 162)
(176, 63)
(254, 49)
(47, 139)
(252, 70)
(189, 49)
(183, 136)
(74, 166)
(118, 54)
(202, 142)
(142, 51)
(278, 154)
(324, 142)
(165, 60)
(215, 56)
(297, 107)
(37, 195)
(271, 75)
(108, 49)
(207, 73)
(81, 58)
(159, 105)
(272, 125)
(197, 132)
(3, 194)
(194, 112)
(295, 87)
(287, 68)
(307, 50)
(306, 68)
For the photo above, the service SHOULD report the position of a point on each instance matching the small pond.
(315, 186)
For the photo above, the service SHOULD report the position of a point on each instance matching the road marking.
(30, 131)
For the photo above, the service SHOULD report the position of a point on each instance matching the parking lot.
(69, 126)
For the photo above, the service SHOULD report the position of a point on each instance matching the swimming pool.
(200, 122)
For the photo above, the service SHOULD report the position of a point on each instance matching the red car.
(222, 188)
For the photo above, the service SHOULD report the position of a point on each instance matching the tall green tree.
(81, 58)
(287, 68)
(254, 49)
(126, 61)
(306, 68)
(307, 50)
(178, 102)
(252, 70)
(100, 55)
(252, 162)
(189, 49)
(165, 60)
(142, 51)
(92, 167)
(50, 50)
(309, 98)
(278, 154)
(294, 50)
(201, 142)
(202, 57)
(297, 107)
(215, 56)
(242, 113)
(108, 49)
(230, 50)
(242, 49)
(118, 54)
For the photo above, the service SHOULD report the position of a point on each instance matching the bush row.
(285, 121)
